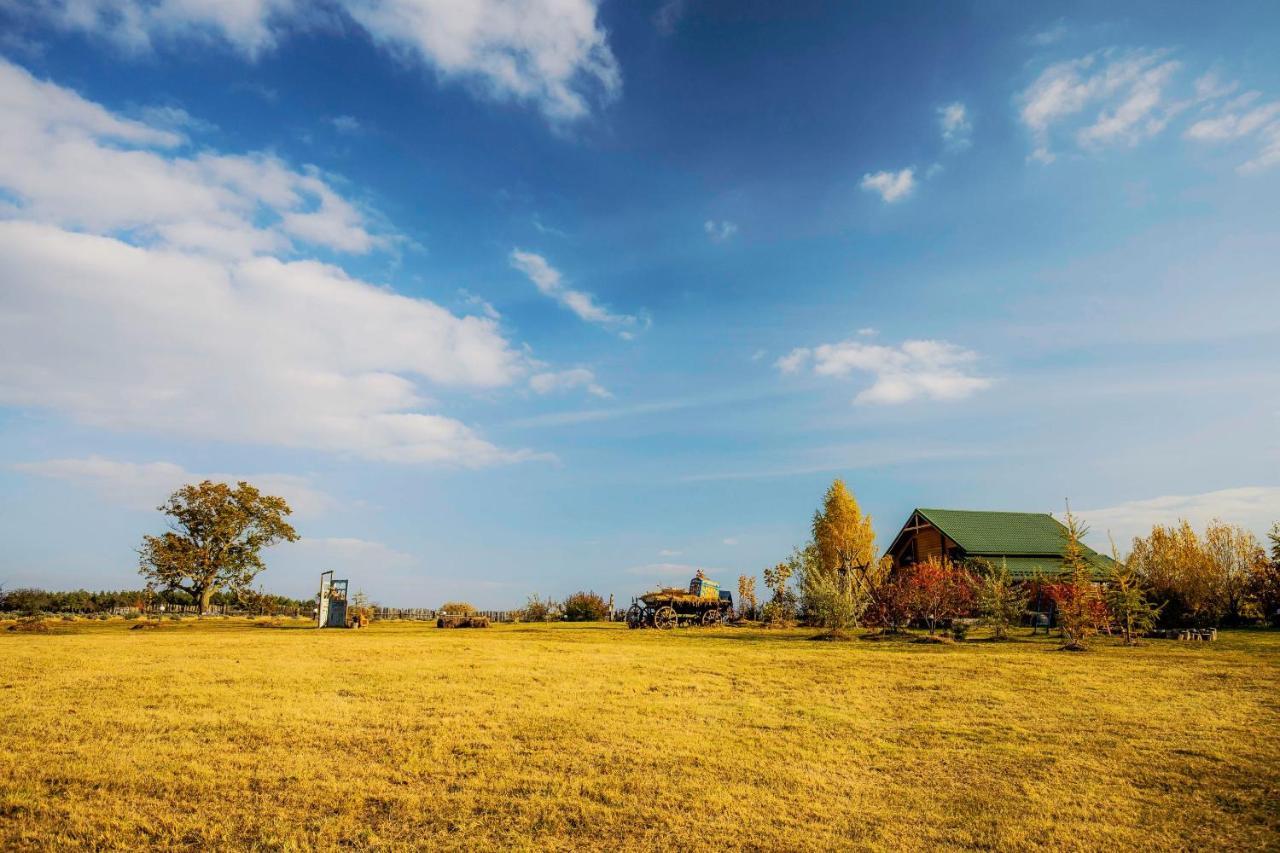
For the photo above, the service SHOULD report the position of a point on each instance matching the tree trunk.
(205, 595)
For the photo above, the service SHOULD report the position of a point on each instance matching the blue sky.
(513, 298)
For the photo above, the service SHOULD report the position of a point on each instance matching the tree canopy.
(842, 535)
(215, 535)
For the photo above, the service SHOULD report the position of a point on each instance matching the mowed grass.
(228, 734)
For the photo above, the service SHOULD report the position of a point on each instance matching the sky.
(538, 296)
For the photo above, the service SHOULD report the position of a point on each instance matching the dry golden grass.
(227, 734)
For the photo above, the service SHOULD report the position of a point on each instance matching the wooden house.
(1029, 543)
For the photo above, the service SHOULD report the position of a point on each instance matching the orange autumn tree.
(939, 590)
(1082, 612)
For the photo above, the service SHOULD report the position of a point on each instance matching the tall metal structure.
(332, 609)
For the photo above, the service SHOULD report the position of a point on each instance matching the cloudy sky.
(513, 297)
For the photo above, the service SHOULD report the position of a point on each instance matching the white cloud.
(1142, 113)
(70, 162)
(1128, 90)
(550, 283)
(934, 370)
(957, 127)
(1268, 155)
(1052, 34)
(719, 231)
(173, 118)
(730, 541)
(868, 332)
(1210, 86)
(251, 26)
(1234, 121)
(566, 380)
(145, 485)
(479, 303)
(259, 351)
(667, 552)
(891, 186)
(140, 293)
(1115, 97)
(543, 228)
(346, 124)
(1255, 508)
(1240, 119)
(794, 360)
(550, 53)
(1121, 92)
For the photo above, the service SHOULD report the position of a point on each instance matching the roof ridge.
(981, 511)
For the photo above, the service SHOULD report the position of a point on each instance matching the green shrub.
(457, 608)
(585, 607)
(539, 610)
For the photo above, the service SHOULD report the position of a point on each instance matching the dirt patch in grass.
(935, 639)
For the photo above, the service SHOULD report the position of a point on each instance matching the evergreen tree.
(1000, 601)
(1126, 598)
(1264, 581)
(1081, 610)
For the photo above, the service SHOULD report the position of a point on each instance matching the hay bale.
(449, 620)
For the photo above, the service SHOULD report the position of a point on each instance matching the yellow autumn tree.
(842, 535)
(838, 571)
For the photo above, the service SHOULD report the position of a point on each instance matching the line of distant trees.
(33, 600)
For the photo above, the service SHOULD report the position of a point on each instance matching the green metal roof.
(1030, 542)
(999, 532)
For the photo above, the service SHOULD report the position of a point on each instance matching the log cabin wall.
(928, 544)
(924, 542)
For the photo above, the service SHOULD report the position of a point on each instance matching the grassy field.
(227, 733)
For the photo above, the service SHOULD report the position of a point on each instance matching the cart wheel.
(664, 618)
(711, 619)
(635, 617)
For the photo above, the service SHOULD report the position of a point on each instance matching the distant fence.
(416, 614)
(426, 614)
(214, 610)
